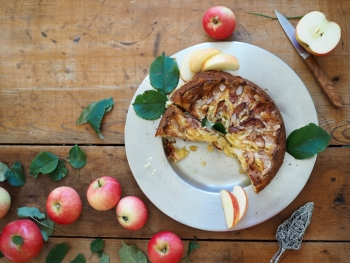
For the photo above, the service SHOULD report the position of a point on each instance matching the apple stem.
(216, 20)
(18, 240)
(99, 184)
(125, 218)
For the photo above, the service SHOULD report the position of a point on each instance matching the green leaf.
(164, 74)
(79, 259)
(57, 253)
(150, 105)
(97, 245)
(15, 176)
(46, 227)
(1, 255)
(131, 254)
(307, 141)
(77, 157)
(31, 212)
(3, 169)
(99, 253)
(93, 114)
(192, 245)
(44, 162)
(59, 173)
(104, 258)
(217, 126)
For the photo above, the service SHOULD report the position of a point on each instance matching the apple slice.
(197, 61)
(185, 72)
(221, 62)
(242, 199)
(231, 208)
(318, 35)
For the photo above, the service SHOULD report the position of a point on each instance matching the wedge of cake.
(255, 132)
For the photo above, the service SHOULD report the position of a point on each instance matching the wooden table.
(56, 57)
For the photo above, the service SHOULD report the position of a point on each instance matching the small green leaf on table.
(44, 163)
(192, 245)
(94, 113)
(307, 141)
(105, 258)
(14, 175)
(150, 105)
(77, 157)
(46, 227)
(131, 254)
(59, 172)
(79, 259)
(3, 169)
(57, 253)
(30, 212)
(164, 74)
(1, 255)
(96, 246)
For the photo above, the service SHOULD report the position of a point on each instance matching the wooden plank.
(57, 57)
(211, 252)
(328, 187)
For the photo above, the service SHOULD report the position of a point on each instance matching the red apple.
(165, 247)
(318, 35)
(219, 22)
(132, 213)
(21, 241)
(63, 205)
(5, 202)
(104, 193)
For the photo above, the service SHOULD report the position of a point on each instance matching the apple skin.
(32, 241)
(219, 22)
(63, 205)
(5, 202)
(316, 34)
(165, 247)
(132, 213)
(104, 193)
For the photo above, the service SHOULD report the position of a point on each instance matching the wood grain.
(324, 81)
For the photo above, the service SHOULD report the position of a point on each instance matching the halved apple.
(221, 62)
(185, 72)
(318, 35)
(197, 61)
(231, 208)
(242, 199)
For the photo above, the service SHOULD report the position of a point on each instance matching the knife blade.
(316, 70)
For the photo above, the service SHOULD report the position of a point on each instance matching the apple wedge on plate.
(235, 205)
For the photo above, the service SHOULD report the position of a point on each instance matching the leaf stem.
(46, 225)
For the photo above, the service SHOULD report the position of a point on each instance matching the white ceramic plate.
(189, 191)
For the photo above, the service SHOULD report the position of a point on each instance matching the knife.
(317, 71)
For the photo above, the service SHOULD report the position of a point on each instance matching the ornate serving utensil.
(290, 234)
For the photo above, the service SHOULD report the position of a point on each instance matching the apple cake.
(254, 127)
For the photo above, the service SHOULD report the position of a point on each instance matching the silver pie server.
(290, 234)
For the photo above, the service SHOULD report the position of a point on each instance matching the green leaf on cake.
(93, 114)
(307, 141)
(217, 126)
(164, 74)
(150, 105)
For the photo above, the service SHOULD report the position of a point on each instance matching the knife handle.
(324, 81)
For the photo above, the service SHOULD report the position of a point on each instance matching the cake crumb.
(210, 148)
(193, 148)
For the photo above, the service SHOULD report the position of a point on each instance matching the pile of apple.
(21, 240)
(204, 60)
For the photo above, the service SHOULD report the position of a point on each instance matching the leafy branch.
(54, 166)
